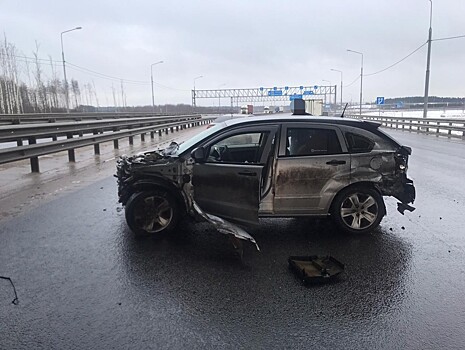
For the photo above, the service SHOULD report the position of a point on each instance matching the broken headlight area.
(126, 169)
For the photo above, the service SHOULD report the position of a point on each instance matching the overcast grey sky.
(245, 43)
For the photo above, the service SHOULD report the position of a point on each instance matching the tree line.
(25, 88)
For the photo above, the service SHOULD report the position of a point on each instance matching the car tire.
(152, 213)
(358, 209)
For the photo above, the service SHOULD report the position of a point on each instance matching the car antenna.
(342, 115)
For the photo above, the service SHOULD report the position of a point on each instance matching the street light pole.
(194, 104)
(64, 66)
(337, 70)
(428, 60)
(151, 79)
(361, 79)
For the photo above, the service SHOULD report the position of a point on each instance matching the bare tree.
(53, 86)
(11, 96)
(115, 102)
(40, 87)
(95, 93)
(76, 92)
(32, 97)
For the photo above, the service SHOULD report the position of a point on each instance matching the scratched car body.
(286, 166)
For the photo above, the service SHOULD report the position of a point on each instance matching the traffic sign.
(275, 93)
(379, 100)
(308, 93)
(295, 97)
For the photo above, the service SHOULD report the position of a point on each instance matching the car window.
(242, 139)
(239, 148)
(358, 143)
(185, 146)
(311, 142)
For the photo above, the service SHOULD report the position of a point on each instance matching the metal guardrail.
(8, 119)
(98, 132)
(44, 130)
(449, 127)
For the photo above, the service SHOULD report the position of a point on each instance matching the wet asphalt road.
(84, 282)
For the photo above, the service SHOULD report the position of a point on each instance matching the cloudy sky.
(244, 43)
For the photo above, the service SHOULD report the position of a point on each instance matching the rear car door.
(227, 183)
(312, 166)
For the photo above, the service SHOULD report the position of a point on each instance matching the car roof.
(289, 118)
(225, 117)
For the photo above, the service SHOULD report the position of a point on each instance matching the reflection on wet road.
(84, 281)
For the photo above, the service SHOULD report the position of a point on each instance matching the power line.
(26, 59)
(32, 59)
(395, 64)
(448, 38)
(128, 81)
(105, 76)
(352, 83)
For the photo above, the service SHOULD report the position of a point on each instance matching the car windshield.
(183, 147)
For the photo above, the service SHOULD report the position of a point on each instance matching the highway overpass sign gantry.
(276, 93)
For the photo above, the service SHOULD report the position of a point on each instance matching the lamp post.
(361, 79)
(64, 66)
(151, 79)
(340, 71)
(428, 60)
(193, 97)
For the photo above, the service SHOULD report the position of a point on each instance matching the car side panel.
(306, 185)
(228, 190)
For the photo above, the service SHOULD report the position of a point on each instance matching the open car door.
(227, 182)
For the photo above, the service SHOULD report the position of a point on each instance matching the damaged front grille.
(123, 176)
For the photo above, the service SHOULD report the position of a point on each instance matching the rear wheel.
(152, 212)
(358, 209)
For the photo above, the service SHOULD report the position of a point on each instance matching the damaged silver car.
(287, 166)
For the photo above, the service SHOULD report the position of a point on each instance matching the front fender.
(140, 185)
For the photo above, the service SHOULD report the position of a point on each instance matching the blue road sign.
(261, 89)
(295, 97)
(308, 92)
(286, 88)
(275, 93)
(379, 100)
(301, 87)
(315, 87)
(275, 88)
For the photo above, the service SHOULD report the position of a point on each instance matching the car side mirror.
(198, 154)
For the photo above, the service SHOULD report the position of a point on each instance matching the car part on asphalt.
(315, 269)
(15, 300)
(225, 226)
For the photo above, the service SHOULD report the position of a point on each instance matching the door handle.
(336, 162)
(247, 173)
